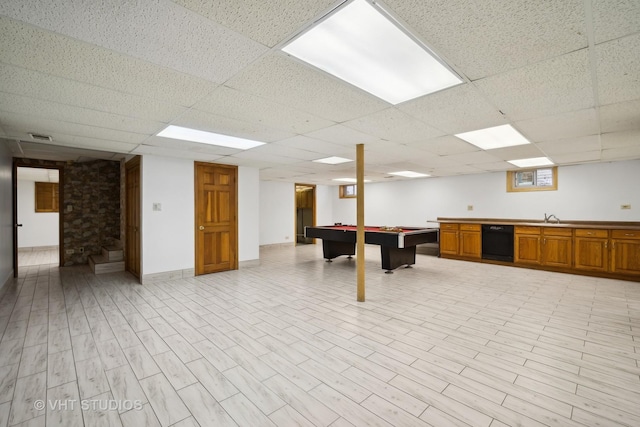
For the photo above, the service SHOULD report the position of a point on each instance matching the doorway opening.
(305, 211)
(38, 203)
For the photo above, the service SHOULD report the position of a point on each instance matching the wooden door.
(132, 218)
(216, 218)
(625, 256)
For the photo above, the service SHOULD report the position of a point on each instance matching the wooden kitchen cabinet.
(591, 249)
(470, 244)
(526, 246)
(449, 239)
(557, 247)
(625, 252)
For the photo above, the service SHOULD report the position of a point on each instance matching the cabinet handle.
(544, 241)
(630, 234)
(589, 233)
(606, 244)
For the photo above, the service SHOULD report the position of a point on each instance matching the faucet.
(548, 218)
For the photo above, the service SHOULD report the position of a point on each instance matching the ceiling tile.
(560, 126)
(255, 130)
(615, 18)
(284, 151)
(555, 86)
(622, 153)
(169, 152)
(319, 146)
(66, 113)
(459, 109)
(488, 37)
(287, 81)
(194, 147)
(577, 157)
(14, 123)
(445, 145)
(228, 102)
(570, 145)
(264, 21)
(474, 157)
(343, 135)
(618, 65)
(39, 85)
(517, 152)
(620, 117)
(621, 139)
(75, 60)
(151, 31)
(394, 125)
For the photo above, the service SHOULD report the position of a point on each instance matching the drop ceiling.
(103, 78)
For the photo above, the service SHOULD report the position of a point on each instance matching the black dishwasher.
(497, 242)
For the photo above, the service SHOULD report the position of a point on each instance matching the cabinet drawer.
(448, 226)
(470, 227)
(521, 229)
(552, 231)
(625, 234)
(590, 232)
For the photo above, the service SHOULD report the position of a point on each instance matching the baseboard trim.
(278, 245)
(5, 282)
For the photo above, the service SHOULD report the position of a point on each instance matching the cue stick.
(360, 219)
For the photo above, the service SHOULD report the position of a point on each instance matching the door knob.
(201, 227)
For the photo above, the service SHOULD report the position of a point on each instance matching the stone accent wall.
(91, 208)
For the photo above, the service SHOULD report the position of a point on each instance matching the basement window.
(348, 191)
(541, 179)
(47, 195)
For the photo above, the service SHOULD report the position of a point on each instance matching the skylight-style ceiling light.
(532, 162)
(495, 137)
(362, 45)
(333, 160)
(203, 137)
(409, 174)
(349, 180)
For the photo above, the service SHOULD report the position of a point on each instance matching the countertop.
(608, 225)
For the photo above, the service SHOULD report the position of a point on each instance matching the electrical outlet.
(625, 206)
(286, 237)
(157, 207)
(469, 207)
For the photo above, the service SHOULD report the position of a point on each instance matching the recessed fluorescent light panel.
(529, 163)
(409, 174)
(495, 137)
(349, 180)
(362, 45)
(333, 160)
(203, 137)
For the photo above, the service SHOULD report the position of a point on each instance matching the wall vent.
(38, 137)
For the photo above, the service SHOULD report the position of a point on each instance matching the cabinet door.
(470, 244)
(448, 242)
(591, 254)
(625, 256)
(556, 251)
(527, 249)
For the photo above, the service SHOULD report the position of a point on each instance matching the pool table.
(397, 244)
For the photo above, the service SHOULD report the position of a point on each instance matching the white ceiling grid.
(103, 78)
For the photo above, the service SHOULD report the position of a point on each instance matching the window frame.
(512, 187)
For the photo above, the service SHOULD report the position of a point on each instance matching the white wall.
(324, 205)
(248, 214)
(585, 192)
(168, 240)
(167, 235)
(38, 228)
(277, 212)
(6, 215)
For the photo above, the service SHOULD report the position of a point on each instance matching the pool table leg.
(393, 258)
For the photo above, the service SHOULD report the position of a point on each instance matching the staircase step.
(113, 253)
(100, 264)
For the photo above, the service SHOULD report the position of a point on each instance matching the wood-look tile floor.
(36, 256)
(447, 343)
